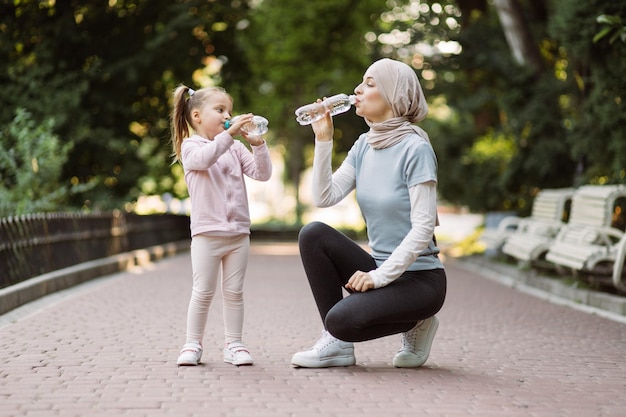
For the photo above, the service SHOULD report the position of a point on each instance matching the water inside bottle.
(340, 104)
(310, 113)
(313, 112)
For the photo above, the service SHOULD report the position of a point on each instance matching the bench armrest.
(618, 267)
(508, 223)
(609, 235)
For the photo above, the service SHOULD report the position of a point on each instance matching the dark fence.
(35, 244)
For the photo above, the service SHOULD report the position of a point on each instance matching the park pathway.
(109, 348)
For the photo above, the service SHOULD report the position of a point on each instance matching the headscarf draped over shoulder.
(399, 86)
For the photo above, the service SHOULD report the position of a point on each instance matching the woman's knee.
(312, 237)
(343, 326)
(312, 231)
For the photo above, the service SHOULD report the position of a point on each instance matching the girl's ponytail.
(180, 119)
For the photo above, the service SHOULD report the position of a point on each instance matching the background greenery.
(85, 88)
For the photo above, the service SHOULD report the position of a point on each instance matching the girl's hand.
(252, 139)
(323, 128)
(360, 282)
(235, 128)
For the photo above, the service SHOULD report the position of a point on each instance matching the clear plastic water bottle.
(256, 127)
(313, 112)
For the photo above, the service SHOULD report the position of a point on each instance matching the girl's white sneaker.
(237, 354)
(190, 354)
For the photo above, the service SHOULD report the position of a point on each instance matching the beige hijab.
(399, 86)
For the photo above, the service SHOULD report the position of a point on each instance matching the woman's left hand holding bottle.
(324, 128)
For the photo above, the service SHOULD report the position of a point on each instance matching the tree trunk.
(518, 36)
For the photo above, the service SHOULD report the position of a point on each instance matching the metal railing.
(35, 244)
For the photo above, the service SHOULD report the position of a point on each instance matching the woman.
(401, 284)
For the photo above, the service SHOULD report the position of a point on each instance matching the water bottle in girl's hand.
(256, 127)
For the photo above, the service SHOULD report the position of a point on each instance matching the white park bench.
(548, 209)
(588, 243)
(529, 243)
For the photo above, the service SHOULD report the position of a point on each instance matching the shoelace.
(326, 340)
(409, 339)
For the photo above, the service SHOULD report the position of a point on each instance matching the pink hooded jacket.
(214, 171)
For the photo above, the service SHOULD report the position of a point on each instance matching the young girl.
(214, 165)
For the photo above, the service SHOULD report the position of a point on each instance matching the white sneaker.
(237, 354)
(327, 351)
(190, 354)
(416, 344)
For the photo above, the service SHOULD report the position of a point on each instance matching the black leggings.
(330, 258)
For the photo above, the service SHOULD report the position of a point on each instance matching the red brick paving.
(109, 348)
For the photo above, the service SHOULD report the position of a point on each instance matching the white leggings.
(207, 255)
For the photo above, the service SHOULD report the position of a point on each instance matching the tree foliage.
(510, 128)
(31, 162)
(104, 71)
(502, 128)
(593, 110)
(300, 51)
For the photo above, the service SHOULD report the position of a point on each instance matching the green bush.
(31, 162)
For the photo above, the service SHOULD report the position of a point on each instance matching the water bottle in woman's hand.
(313, 112)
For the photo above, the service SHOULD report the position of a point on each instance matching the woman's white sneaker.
(328, 351)
(416, 344)
(237, 354)
(190, 354)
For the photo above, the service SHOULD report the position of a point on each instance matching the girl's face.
(209, 119)
(370, 103)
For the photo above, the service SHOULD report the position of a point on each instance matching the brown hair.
(184, 100)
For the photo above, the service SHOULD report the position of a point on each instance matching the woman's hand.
(360, 282)
(323, 128)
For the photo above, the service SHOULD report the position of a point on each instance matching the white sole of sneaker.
(239, 363)
(324, 363)
(188, 363)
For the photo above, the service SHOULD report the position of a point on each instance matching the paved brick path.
(108, 348)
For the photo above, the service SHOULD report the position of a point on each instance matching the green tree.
(514, 106)
(612, 27)
(502, 126)
(31, 162)
(593, 109)
(303, 50)
(517, 106)
(104, 71)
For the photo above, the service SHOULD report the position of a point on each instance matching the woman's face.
(209, 119)
(370, 103)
